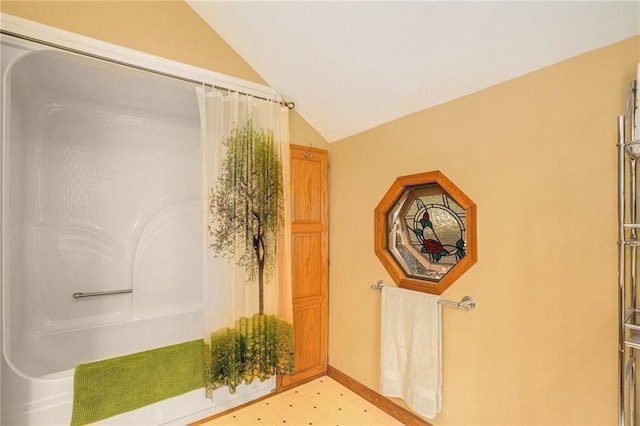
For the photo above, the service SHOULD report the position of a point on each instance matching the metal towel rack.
(466, 303)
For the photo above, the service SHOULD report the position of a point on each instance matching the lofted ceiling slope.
(350, 66)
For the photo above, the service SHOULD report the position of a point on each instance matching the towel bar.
(467, 303)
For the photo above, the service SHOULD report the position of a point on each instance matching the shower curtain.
(248, 331)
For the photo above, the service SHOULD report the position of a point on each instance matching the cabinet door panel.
(307, 322)
(308, 185)
(307, 265)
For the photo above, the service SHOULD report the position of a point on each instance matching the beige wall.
(537, 154)
(169, 29)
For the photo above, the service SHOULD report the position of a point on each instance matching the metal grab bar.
(467, 303)
(101, 293)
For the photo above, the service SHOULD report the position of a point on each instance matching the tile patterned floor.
(321, 402)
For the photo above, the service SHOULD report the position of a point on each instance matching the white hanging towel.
(410, 359)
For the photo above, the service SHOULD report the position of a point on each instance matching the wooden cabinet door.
(309, 249)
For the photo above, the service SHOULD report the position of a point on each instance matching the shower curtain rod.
(284, 102)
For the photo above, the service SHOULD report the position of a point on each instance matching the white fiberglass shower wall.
(100, 194)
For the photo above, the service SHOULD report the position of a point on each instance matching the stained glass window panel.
(429, 232)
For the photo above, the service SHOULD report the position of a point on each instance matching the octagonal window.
(425, 232)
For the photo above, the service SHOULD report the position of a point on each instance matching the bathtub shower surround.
(92, 203)
(101, 195)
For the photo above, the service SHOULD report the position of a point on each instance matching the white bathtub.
(100, 187)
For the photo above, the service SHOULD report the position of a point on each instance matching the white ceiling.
(350, 66)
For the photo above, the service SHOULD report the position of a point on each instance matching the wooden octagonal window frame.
(396, 201)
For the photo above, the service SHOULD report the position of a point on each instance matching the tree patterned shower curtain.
(248, 331)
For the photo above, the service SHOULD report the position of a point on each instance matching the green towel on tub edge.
(106, 388)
